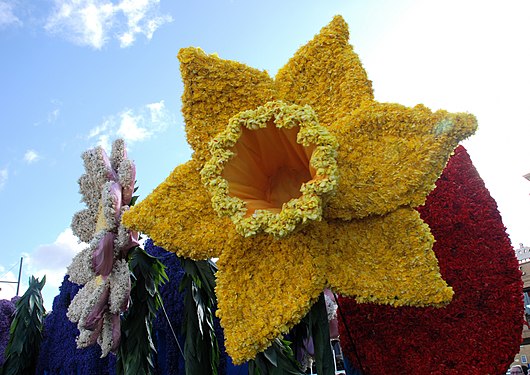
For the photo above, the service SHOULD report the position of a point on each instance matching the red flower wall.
(479, 332)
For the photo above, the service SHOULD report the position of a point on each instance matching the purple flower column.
(58, 354)
(7, 310)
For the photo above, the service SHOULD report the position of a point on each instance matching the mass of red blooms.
(479, 332)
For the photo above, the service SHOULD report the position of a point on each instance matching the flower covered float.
(107, 189)
(299, 183)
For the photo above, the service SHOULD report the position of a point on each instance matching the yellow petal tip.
(337, 28)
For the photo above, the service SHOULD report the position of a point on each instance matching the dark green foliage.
(317, 325)
(22, 350)
(277, 359)
(317, 321)
(201, 351)
(135, 355)
(133, 200)
(314, 327)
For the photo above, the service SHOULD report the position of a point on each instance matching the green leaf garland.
(201, 351)
(136, 352)
(22, 350)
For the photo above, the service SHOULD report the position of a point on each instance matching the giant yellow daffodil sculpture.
(299, 183)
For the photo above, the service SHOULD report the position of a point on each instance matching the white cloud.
(83, 22)
(55, 112)
(133, 125)
(53, 115)
(130, 129)
(4, 175)
(100, 129)
(104, 141)
(94, 22)
(51, 260)
(7, 17)
(137, 23)
(31, 156)
(157, 111)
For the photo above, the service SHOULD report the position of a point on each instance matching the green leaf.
(201, 351)
(136, 351)
(272, 356)
(278, 359)
(323, 351)
(25, 332)
(133, 200)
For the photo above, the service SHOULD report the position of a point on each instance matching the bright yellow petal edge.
(326, 74)
(385, 259)
(329, 249)
(265, 286)
(390, 156)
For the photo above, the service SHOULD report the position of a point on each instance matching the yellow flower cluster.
(371, 244)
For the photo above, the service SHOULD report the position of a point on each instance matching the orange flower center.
(269, 167)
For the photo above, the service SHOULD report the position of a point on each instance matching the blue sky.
(75, 74)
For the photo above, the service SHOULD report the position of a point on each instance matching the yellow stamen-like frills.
(314, 192)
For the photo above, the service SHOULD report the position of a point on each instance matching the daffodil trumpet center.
(271, 169)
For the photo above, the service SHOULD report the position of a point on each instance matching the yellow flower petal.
(264, 288)
(385, 259)
(178, 216)
(390, 156)
(214, 91)
(326, 74)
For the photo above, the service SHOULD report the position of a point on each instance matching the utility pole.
(19, 274)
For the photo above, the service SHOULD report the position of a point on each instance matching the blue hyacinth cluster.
(7, 311)
(58, 353)
(169, 358)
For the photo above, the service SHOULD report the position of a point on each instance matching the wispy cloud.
(94, 22)
(31, 156)
(51, 260)
(53, 115)
(131, 128)
(55, 112)
(133, 125)
(7, 17)
(4, 175)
